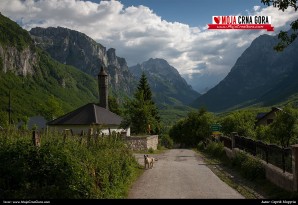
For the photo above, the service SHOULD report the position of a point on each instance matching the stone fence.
(285, 180)
(138, 143)
(135, 143)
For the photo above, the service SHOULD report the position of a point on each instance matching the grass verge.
(237, 178)
(228, 176)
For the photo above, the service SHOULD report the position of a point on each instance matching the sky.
(175, 30)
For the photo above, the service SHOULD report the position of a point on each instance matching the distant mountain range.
(55, 69)
(77, 49)
(51, 71)
(261, 76)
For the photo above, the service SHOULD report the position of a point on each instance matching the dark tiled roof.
(273, 109)
(90, 114)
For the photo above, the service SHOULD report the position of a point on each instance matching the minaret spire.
(103, 88)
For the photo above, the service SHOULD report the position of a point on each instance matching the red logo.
(241, 22)
(216, 19)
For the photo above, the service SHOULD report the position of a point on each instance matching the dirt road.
(180, 173)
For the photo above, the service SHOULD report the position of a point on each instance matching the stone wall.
(138, 143)
(273, 173)
(277, 177)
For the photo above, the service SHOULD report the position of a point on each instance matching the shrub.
(252, 169)
(159, 147)
(151, 150)
(192, 129)
(166, 141)
(201, 146)
(101, 168)
(216, 149)
(241, 121)
(239, 158)
(48, 172)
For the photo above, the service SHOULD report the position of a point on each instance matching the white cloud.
(138, 33)
(256, 8)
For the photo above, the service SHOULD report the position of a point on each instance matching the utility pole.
(9, 109)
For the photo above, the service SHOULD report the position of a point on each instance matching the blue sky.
(175, 30)
(194, 12)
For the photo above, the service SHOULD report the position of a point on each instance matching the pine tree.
(145, 88)
(141, 113)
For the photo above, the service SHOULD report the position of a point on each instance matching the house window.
(269, 121)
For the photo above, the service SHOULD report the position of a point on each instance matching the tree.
(193, 129)
(140, 112)
(113, 105)
(262, 134)
(52, 108)
(285, 39)
(242, 122)
(144, 87)
(284, 126)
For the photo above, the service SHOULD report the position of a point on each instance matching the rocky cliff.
(20, 62)
(17, 52)
(38, 84)
(77, 49)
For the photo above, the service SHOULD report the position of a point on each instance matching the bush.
(192, 129)
(48, 172)
(151, 150)
(216, 149)
(240, 121)
(239, 158)
(103, 169)
(159, 147)
(166, 141)
(201, 146)
(250, 168)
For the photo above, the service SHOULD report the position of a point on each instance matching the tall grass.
(249, 167)
(77, 167)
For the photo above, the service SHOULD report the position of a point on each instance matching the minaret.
(103, 88)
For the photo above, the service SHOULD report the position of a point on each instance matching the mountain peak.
(160, 66)
(157, 62)
(165, 81)
(260, 75)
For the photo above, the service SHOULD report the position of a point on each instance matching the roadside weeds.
(232, 178)
(250, 189)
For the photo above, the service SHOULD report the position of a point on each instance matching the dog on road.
(148, 161)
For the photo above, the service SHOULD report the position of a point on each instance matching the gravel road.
(180, 173)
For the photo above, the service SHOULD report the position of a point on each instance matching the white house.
(91, 115)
